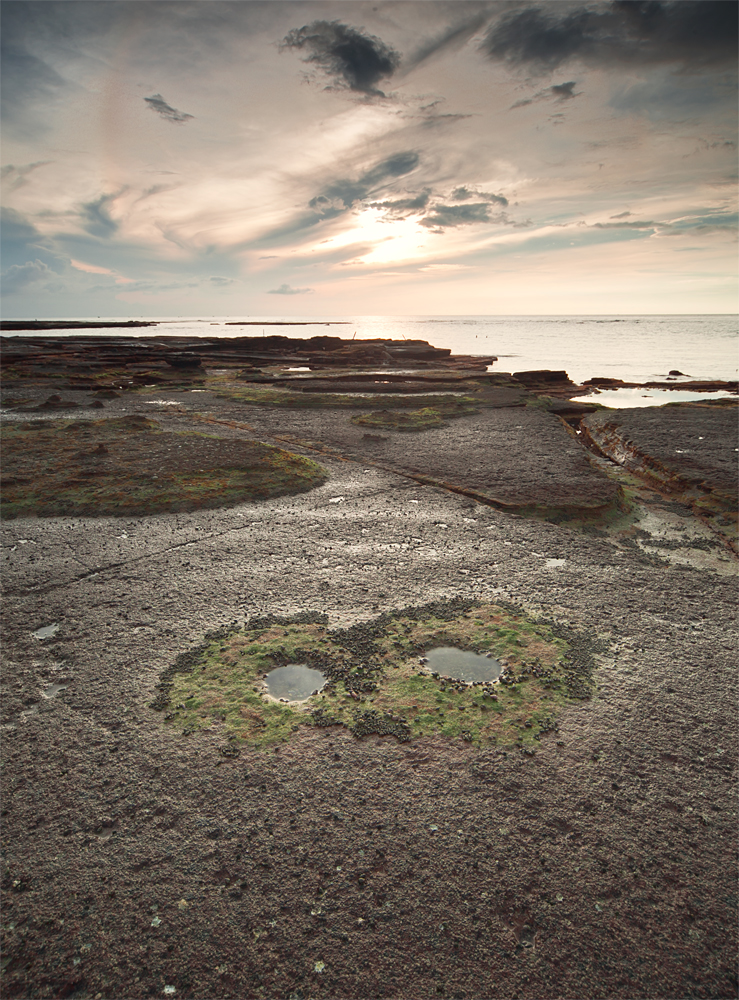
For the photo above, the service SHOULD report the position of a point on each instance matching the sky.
(384, 158)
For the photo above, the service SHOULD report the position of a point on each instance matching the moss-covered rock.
(414, 420)
(130, 466)
(376, 680)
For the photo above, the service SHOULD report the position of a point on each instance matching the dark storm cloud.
(692, 33)
(170, 114)
(464, 194)
(351, 58)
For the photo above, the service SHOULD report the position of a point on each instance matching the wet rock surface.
(689, 451)
(136, 858)
(515, 456)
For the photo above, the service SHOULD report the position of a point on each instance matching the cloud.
(559, 92)
(16, 177)
(221, 282)
(16, 228)
(351, 58)
(155, 189)
(19, 276)
(416, 203)
(26, 80)
(21, 241)
(80, 265)
(464, 194)
(453, 36)
(563, 91)
(287, 290)
(457, 215)
(96, 217)
(394, 166)
(145, 287)
(621, 215)
(691, 33)
(170, 114)
(629, 225)
(343, 194)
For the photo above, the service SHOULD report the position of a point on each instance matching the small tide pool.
(46, 631)
(295, 682)
(629, 398)
(462, 665)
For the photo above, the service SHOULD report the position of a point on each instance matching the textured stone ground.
(135, 859)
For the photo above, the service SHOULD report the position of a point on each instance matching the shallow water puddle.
(53, 690)
(46, 631)
(295, 682)
(617, 398)
(461, 665)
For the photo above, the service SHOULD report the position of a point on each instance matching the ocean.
(632, 348)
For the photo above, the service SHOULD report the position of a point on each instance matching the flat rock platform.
(595, 862)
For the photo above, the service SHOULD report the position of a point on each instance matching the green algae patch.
(415, 420)
(287, 399)
(377, 681)
(129, 466)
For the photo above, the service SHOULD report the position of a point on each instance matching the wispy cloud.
(558, 93)
(347, 55)
(80, 265)
(339, 196)
(288, 290)
(629, 225)
(96, 218)
(170, 114)
(221, 282)
(17, 177)
(465, 193)
(449, 38)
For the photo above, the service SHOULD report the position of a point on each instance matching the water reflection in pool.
(462, 665)
(46, 631)
(295, 682)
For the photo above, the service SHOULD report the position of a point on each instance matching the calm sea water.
(633, 348)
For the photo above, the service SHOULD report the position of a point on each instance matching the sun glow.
(390, 241)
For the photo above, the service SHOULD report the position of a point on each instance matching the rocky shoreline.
(586, 850)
